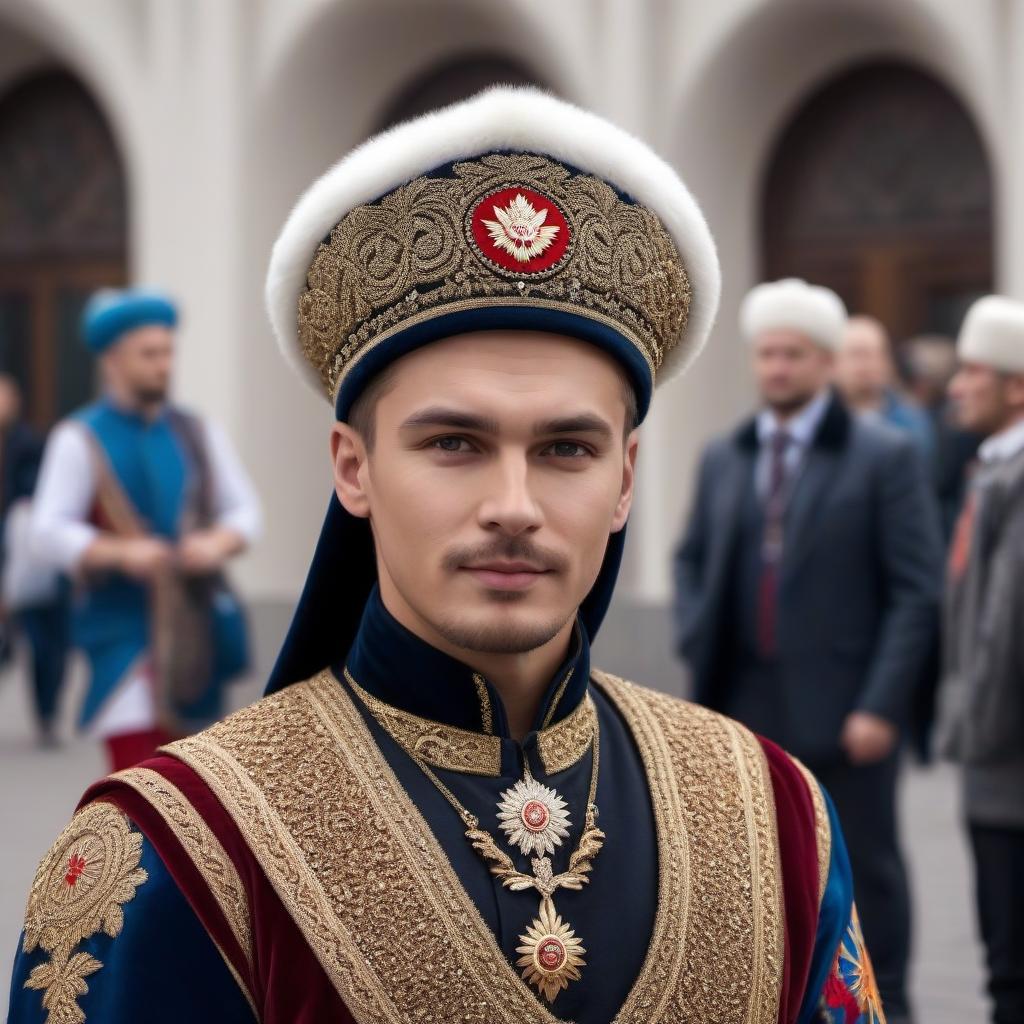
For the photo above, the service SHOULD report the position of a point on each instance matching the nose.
(510, 505)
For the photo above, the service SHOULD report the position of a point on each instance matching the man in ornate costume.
(143, 504)
(441, 811)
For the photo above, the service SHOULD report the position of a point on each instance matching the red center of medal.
(551, 954)
(76, 868)
(535, 816)
(520, 230)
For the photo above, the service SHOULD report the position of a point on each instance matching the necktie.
(771, 544)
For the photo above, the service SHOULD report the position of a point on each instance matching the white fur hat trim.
(993, 334)
(502, 118)
(794, 305)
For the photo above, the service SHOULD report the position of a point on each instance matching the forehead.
(508, 370)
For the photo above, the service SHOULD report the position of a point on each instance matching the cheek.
(411, 507)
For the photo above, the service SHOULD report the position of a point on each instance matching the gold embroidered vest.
(372, 891)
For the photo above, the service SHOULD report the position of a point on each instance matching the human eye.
(567, 450)
(451, 445)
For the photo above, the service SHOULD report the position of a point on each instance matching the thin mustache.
(512, 550)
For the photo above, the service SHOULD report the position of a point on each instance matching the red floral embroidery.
(76, 868)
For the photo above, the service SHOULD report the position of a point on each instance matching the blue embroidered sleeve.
(109, 937)
(841, 986)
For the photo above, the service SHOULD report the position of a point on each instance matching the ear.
(348, 453)
(1015, 390)
(625, 502)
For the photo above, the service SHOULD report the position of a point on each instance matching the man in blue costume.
(143, 504)
(441, 811)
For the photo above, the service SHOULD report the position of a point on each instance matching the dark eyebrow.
(453, 419)
(584, 423)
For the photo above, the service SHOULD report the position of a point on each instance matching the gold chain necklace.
(534, 818)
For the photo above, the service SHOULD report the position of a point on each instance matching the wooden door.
(62, 236)
(879, 187)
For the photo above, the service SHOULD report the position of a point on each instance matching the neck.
(784, 413)
(870, 402)
(521, 679)
(127, 401)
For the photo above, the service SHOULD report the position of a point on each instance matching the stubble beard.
(498, 638)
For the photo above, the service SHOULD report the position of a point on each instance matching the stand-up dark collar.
(405, 672)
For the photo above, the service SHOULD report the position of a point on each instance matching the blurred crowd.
(848, 585)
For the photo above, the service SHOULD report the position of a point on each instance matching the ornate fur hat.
(794, 304)
(993, 334)
(513, 210)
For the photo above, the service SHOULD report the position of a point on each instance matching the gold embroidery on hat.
(409, 257)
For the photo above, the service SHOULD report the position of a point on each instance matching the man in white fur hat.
(441, 811)
(981, 720)
(807, 590)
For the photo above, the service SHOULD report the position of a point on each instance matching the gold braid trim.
(207, 855)
(89, 874)
(372, 891)
(822, 827)
(447, 747)
(717, 948)
(561, 745)
(411, 256)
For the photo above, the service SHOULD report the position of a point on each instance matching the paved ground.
(38, 791)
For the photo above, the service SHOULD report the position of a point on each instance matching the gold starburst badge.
(520, 229)
(533, 817)
(552, 955)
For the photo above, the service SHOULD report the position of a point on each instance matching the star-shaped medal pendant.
(533, 817)
(551, 954)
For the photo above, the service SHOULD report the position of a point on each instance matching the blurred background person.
(929, 362)
(866, 377)
(981, 722)
(807, 588)
(33, 600)
(144, 504)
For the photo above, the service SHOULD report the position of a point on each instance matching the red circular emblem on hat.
(535, 816)
(519, 230)
(551, 953)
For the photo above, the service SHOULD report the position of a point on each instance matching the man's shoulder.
(876, 439)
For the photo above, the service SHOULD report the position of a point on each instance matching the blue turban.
(112, 312)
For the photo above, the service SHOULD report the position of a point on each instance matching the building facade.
(873, 144)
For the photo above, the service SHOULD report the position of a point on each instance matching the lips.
(506, 575)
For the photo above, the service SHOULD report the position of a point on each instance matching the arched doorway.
(62, 235)
(879, 187)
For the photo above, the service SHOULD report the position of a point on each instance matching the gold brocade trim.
(822, 827)
(370, 887)
(440, 745)
(561, 745)
(89, 874)
(486, 711)
(408, 258)
(207, 855)
(460, 750)
(713, 803)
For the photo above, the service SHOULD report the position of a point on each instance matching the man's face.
(790, 369)
(986, 400)
(142, 362)
(863, 366)
(498, 470)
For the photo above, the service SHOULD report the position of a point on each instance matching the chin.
(501, 628)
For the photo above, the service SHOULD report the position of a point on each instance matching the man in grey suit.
(807, 591)
(981, 723)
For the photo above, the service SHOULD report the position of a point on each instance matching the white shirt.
(60, 532)
(801, 429)
(1004, 445)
